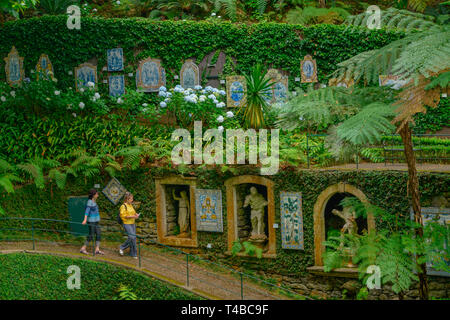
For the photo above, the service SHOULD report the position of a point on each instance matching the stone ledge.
(339, 272)
(242, 254)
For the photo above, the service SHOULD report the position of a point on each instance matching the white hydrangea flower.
(162, 88)
(3, 99)
(167, 100)
(97, 95)
(118, 2)
(178, 89)
(220, 104)
(212, 97)
(202, 98)
(198, 87)
(168, 94)
(57, 92)
(208, 88)
(213, 14)
(81, 90)
(230, 114)
(13, 93)
(144, 105)
(74, 115)
(162, 94)
(215, 90)
(220, 128)
(81, 105)
(222, 92)
(90, 84)
(163, 104)
(119, 100)
(220, 119)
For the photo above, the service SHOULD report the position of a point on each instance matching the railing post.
(139, 251)
(94, 240)
(307, 150)
(187, 270)
(357, 158)
(32, 234)
(242, 286)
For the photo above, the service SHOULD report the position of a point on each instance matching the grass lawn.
(29, 277)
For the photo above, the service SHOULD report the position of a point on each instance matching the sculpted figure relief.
(257, 204)
(348, 214)
(183, 213)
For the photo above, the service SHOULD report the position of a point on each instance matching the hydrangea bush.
(197, 104)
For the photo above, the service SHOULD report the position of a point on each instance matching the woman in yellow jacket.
(128, 216)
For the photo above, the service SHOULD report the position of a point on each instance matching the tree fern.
(368, 125)
(35, 168)
(424, 49)
(397, 266)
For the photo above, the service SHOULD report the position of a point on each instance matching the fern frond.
(368, 125)
(59, 177)
(35, 171)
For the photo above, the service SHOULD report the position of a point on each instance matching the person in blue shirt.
(92, 217)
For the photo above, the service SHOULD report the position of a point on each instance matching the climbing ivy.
(386, 189)
(276, 45)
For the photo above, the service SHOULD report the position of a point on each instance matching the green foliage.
(423, 51)
(277, 45)
(248, 247)
(56, 6)
(313, 15)
(8, 176)
(434, 119)
(124, 293)
(45, 278)
(393, 250)
(52, 137)
(363, 293)
(368, 125)
(256, 105)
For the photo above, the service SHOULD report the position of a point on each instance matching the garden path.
(165, 266)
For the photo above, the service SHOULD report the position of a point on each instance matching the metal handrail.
(240, 274)
(418, 135)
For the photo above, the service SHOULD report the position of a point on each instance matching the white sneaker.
(121, 252)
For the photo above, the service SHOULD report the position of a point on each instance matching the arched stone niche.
(167, 211)
(238, 226)
(320, 208)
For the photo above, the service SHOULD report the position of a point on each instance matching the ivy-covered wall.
(275, 45)
(386, 189)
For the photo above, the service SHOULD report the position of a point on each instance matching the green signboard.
(77, 207)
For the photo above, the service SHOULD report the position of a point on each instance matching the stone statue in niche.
(183, 213)
(348, 214)
(257, 203)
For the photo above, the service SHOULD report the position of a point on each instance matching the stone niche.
(239, 217)
(325, 220)
(175, 211)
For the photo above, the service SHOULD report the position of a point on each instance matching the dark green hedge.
(277, 45)
(35, 277)
(386, 189)
(434, 119)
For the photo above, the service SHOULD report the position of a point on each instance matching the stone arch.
(232, 220)
(319, 216)
(161, 184)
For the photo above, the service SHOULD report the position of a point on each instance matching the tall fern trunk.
(413, 188)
